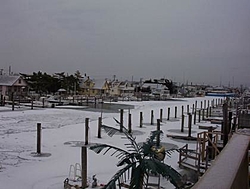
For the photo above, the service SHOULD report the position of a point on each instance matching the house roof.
(99, 83)
(8, 80)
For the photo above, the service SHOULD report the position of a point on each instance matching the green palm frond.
(98, 148)
(157, 167)
(146, 147)
(111, 183)
(153, 136)
(133, 157)
(138, 181)
(112, 131)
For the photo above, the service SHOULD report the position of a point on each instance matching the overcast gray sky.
(203, 41)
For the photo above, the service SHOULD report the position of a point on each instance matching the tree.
(142, 159)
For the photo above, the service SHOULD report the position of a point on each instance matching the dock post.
(182, 122)
(158, 129)
(86, 131)
(38, 147)
(175, 112)
(188, 109)
(225, 125)
(201, 105)
(168, 113)
(193, 109)
(129, 123)
(207, 111)
(161, 114)
(182, 110)
(194, 117)
(189, 124)
(205, 104)
(141, 119)
(152, 117)
(99, 135)
(121, 120)
(84, 167)
(199, 116)
(203, 114)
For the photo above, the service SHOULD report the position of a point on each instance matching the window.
(19, 81)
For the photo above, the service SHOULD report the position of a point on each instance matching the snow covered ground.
(62, 129)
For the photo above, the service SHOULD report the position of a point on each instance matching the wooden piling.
(182, 110)
(199, 119)
(182, 122)
(189, 124)
(38, 147)
(152, 117)
(158, 129)
(201, 105)
(193, 109)
(141, 119)
(84, 167)
(121, 119)
(129, 123)
(86, 131)
(203, 114)
(161, 110)
(194, 117)
(205, 104)
(99, 135)
(175, 112)
(168, 114)
(225, 125)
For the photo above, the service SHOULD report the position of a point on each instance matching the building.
(12, 84)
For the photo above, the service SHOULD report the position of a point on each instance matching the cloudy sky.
(203, 41)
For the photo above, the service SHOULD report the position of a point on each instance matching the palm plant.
(140, 159)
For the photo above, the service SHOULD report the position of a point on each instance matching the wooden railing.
(230, 169)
